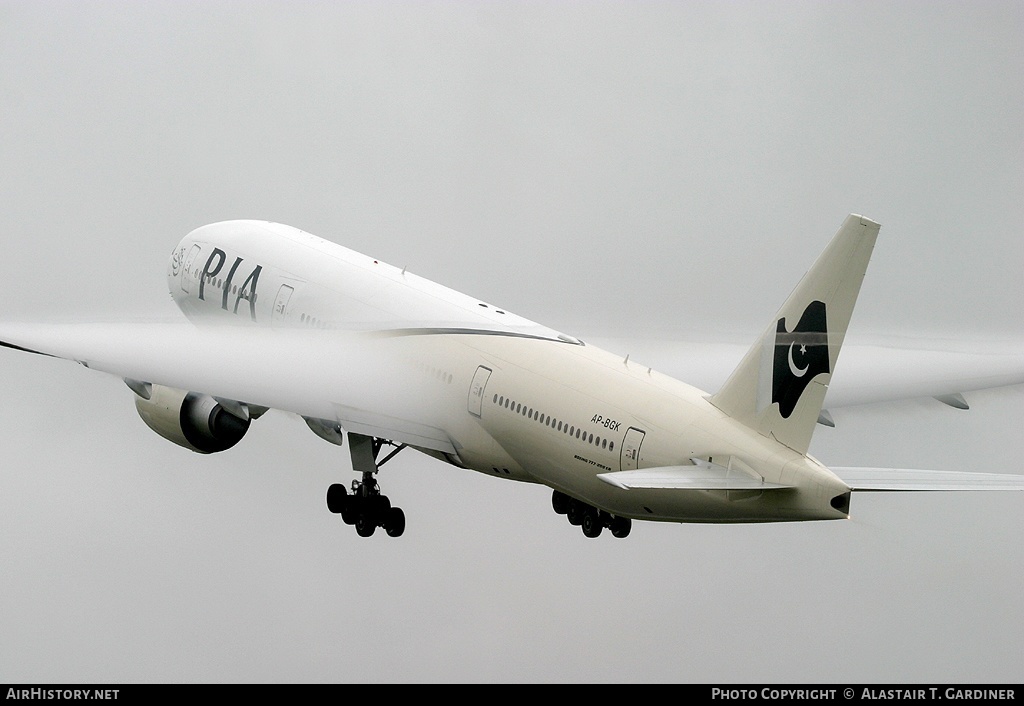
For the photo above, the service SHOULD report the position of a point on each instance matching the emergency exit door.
(629, 458)
(476, 390)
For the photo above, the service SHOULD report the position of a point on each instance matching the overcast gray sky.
(620, 168)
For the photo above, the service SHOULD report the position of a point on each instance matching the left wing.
(365, 383)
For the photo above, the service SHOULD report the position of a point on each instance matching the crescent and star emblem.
(810, 336)
(798, 372)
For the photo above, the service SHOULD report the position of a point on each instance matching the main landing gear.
(366, 507)
(589, 518)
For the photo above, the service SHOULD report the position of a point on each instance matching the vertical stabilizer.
(779, 387)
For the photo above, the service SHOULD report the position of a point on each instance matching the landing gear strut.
(366, 507)
(591, 520)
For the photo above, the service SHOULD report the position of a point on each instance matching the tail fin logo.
(799, 356)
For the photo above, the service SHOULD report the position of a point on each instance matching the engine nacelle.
(195, 421)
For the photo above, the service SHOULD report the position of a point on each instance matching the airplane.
(377, 359)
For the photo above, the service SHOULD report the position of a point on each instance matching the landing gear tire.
(394, 524)
(337, 498)
(620, 527)
(365, 526)
(575, 512)
(592, 523)
(560, 502)
(381, 505)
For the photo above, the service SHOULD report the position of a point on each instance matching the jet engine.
(196, 421)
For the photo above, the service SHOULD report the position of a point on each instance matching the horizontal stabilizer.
(703, 476)
(901, 479)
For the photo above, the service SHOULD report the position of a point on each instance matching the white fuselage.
(517, 400)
